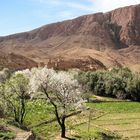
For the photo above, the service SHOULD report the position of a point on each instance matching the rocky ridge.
(112, 39)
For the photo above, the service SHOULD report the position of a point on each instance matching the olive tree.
(15, 93)
(60, 89)
(4, 76)
(133, 88)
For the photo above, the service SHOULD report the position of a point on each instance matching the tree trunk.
(22, 111)
(63, 128)
(15, 116)
(61, 123)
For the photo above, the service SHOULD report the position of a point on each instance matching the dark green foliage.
(120, 83)
(133, 88)
(1, 111)
(6, 135)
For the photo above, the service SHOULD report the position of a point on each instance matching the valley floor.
(106, 119)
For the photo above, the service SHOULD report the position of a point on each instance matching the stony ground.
(20, 134)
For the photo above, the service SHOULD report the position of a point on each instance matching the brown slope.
(15, 62)
(112, 38)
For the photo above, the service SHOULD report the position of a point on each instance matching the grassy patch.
(38, 111)
(116, 107)
(48, 131)
(6, 135)
(95, 134)
(122, 124)
(122, 118)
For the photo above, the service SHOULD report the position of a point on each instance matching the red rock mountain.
(95, 41)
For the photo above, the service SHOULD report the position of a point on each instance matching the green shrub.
(6, 135)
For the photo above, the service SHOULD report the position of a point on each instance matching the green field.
(123, 118)
(106, 120)
(109, 119)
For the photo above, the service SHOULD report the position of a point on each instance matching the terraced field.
(126, 125)
(121, 118)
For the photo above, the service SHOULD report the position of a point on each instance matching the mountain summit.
(89, 42)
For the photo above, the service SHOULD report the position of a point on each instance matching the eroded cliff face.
(128, 19)
(111, 38)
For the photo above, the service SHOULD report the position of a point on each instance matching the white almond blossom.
(60, 89)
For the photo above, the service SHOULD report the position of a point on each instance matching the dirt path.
(20, 134)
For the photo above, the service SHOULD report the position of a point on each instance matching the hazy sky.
(23, 15)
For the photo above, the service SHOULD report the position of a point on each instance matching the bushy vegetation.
(120, 83)
(6, 135)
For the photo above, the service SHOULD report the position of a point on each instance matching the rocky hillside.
(85, 64)
(112, 39)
